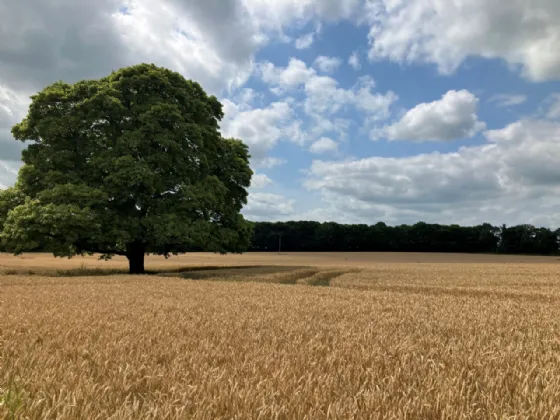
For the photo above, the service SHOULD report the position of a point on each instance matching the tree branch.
(90, 248)
(106, 251)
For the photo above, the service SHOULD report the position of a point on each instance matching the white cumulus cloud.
(452, 117)
(8, 173)
(354, 61)
(268, 162)
(514, 178)
(503, 100)
(13, 107)
(525, 34)
(554, 106)
(323, 94)
(274, 14)
(327, 64)
(305, 41)
(259, 181)
(259, 128)
(267, 206)
(324, 145)
(295, 74)
(324, 100)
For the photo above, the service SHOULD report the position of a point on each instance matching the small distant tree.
(129, 164)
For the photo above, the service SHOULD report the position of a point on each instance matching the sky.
(354, 111)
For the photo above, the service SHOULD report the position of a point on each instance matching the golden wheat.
(41, 263)
(389, 341)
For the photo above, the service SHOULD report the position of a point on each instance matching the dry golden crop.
(385, 340)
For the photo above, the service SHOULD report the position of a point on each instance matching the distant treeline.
(420, 237)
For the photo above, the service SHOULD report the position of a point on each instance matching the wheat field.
(329, 336)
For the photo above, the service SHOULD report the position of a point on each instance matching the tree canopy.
(308, 236)
(129, 164)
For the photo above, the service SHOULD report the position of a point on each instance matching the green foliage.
(420, 237)
(9, 199)
(130, 164)
(11, 401)
(527, 239)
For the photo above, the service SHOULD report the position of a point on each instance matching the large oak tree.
(129, 164)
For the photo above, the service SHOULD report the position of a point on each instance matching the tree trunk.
(135, 254)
